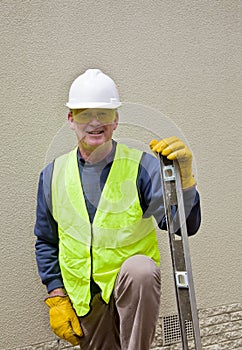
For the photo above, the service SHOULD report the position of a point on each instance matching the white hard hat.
(93, 89)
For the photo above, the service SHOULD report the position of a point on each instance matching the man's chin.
(93, 145)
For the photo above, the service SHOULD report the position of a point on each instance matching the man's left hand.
(175, 149)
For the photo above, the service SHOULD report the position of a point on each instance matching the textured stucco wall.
(181, 58)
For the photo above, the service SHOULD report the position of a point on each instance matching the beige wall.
(181, 58)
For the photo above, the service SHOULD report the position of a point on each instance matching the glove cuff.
(55, 299)
(188, 182)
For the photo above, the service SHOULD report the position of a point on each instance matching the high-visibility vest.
(118, 230)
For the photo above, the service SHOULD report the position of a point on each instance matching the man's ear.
(116, 121)
(70, 120)
(69, 116)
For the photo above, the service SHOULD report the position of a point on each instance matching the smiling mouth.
(96, 132)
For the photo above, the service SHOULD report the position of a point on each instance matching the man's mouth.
(95, 132)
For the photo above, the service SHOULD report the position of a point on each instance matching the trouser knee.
(141, 270)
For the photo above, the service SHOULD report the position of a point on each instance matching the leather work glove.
(175, 149)
(63, 319)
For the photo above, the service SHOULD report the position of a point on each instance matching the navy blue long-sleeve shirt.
(93, 177)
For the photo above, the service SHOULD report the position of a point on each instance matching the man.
(96, 246)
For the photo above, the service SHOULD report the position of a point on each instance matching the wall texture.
(181, 58)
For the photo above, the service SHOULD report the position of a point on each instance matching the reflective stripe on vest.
(118, 230)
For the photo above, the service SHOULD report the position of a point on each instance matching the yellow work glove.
(63, 319)
(175, 149)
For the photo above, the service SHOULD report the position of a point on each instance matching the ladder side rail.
(170, 198)
(185, 243)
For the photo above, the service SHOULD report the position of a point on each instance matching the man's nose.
(94, 118)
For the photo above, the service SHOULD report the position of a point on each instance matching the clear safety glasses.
(85, 116)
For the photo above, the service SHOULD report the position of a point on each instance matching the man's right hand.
(63, 319)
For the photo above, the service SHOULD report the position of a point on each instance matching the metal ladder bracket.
(169, 173)
(181, 279)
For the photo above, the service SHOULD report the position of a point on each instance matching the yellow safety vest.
(118, 230)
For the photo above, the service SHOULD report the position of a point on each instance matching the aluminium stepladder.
(179, 249)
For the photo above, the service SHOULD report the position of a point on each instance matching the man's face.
(93, 126)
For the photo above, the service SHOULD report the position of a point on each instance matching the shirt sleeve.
(151, 197)
(46, 232)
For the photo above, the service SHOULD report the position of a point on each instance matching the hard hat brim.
(113, 105)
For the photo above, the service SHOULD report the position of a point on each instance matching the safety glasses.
(85, 116)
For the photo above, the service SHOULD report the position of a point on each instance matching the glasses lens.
(84, 116)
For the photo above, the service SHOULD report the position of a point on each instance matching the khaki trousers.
(128, 322)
